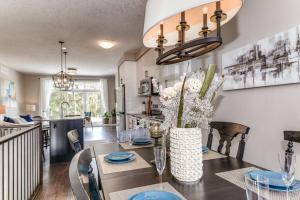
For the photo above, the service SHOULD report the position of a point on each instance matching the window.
(86, 97)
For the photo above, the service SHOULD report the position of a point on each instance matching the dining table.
(210, 187)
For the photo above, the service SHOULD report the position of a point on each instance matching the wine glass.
(287, 163)
(160, 160)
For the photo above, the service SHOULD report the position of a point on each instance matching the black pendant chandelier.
(179, 25)
(62, 80)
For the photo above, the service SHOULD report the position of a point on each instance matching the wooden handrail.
(21, 149)
(17, 133)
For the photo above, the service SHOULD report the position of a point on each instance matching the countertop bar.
(60, 149)
(61, 119)
(146, 117)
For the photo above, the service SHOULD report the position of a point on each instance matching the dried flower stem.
(208, 79)
(181, 102)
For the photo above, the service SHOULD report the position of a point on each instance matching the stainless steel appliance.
(120, 108)
(146, 87)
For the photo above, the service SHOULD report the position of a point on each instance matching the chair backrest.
(228, 131)
(82, 180)
(291, 136)
(88, 114)
(73, 137)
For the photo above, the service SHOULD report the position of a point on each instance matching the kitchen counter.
(60, 149)
(64, 118)
(154, 118)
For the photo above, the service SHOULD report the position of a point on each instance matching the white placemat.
(212, 155)
(108, 168)
(127, 146)
(237, 177)
(125, 194)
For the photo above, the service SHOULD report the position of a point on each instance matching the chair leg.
(43, 154)
(209, 140)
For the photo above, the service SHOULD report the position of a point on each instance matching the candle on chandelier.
(218, 5)
(161, 29)
(205, 11)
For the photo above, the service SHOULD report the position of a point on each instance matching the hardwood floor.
(100, 133)
(56, 185)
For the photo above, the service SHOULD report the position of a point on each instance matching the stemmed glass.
(160, 160)
(287, 163)
(257, 188)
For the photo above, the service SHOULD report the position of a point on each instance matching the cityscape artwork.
(271, 61)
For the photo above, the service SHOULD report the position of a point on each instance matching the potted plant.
(113, 116)
(105, 118)
(187, 107)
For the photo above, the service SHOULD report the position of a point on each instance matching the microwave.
(146, 87)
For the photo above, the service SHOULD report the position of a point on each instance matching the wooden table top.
(211, 187)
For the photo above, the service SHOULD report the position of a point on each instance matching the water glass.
(257, 188)
(287, 162)
(122, 136)
(131, 136)
(160, 159)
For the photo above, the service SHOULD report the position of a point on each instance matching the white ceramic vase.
(186, 154)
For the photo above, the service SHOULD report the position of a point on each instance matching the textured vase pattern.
(186, 154)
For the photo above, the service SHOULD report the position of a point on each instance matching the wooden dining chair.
(82, 179)
(73, 138)
(88, 119)
(291, 136)
(228, 131)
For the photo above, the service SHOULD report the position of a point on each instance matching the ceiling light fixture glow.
(105, 44)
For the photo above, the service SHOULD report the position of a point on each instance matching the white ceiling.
(30, 31)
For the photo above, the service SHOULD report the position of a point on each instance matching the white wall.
(268, 111)
(9, 74)
(111, 92)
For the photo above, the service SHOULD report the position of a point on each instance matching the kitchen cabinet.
(147, 63)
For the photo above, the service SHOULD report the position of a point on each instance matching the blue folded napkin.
(204, 149)
(142, 141)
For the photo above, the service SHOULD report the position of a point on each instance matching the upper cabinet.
(147, 63)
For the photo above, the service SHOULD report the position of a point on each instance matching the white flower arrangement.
(188, 104)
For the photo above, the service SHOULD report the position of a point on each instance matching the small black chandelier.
(62, 80)
(167, 22)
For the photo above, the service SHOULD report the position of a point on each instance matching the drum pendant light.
(187, 26)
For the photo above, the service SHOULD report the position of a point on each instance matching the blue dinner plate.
(119, 161)
(275, 180)
(155, 195)
(118, 156)
(205, 149)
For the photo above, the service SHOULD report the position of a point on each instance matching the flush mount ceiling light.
(185, 25)
(105, 44)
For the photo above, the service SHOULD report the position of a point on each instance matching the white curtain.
(104, 95)
(46, 89)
